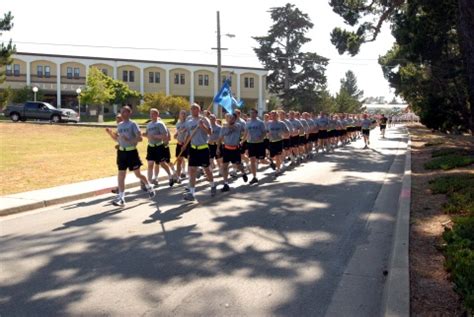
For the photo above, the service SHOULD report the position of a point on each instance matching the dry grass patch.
(41, 156)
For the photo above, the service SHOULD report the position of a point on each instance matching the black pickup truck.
(40, 111)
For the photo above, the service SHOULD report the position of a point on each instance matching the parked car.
(41, 111)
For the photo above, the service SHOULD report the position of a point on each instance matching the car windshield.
(48, 105)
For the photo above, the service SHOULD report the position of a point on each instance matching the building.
(58, 77)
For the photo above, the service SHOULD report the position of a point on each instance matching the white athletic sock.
(213, 184)
(121, 195)
(191, 190)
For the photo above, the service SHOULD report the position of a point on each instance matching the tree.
(97, 91)
(426, 66)
(6, 51)
(349, 83)
(358, 13)
(166, 104)
(349, 96)
(326, 102)
(295, 76)
(121, 92)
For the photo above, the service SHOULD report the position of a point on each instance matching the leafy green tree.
(97, 91)
(367, 18)
(25, 94)
(122, 93)
(295, 76)
(6, 51)
(426, 67)
(326, 102)
(165, 104)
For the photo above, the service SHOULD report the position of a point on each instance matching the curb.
(396, 300)
(50, 202)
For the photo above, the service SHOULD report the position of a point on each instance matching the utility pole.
(219, 59)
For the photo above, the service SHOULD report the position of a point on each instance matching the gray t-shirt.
(216, 131)
(288, 125)
(297, 126)
(323, 123)
(305, 125)
(155, 129)
(366, 123)
(276, 130)
(181, 131)
(130, 130)
(231, 134)
(256, 130)
(200, 137)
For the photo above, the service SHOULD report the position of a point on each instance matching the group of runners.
(239, 145)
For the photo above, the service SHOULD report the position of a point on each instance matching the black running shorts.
(276, 148)
(158, 154)
(256, 150)
(128, 159)
(199, 157)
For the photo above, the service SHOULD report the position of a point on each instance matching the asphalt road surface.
(314, 242)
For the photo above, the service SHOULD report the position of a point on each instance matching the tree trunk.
(466, 42)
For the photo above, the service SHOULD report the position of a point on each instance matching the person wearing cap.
(198, 129)
(128, 135)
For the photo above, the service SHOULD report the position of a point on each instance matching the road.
(314, 242)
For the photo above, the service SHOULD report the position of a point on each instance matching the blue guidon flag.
(225, 99)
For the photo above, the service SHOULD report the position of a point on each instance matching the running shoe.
(189, 197)
(253, 181)
(225, 188)
(119, 202)
(245, 177)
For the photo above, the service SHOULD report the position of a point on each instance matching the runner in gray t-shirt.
(276, 131)
(366, 124)
(128, 135)
(158, 151)
(230, 138)
(199, 129)
(181, 151)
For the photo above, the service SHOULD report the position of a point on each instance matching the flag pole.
(185, 144)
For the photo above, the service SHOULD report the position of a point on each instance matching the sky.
(184, 31)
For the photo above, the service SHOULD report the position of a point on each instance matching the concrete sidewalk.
(20, 202)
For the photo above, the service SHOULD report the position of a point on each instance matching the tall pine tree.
(295, 76)
(6, 51)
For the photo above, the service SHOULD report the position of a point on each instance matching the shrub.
(448, 162)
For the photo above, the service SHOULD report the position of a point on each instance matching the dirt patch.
(432, 291)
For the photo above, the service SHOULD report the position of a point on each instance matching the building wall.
(190, 89)
(180, 89)
(155, 87)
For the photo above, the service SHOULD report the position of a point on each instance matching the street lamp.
(35, 90)
(78, 91)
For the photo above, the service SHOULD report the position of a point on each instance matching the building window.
(77, 73)
(104, 71)
(69, 73)
(16, 70)
(179, 79)
(154, 77)
(125, 76)
(47, 71)
(131, 76)
(203, 80)
(249, 82)
(39, 71)
(8, 71)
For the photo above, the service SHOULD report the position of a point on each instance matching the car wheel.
(55, 119)
(15, 117)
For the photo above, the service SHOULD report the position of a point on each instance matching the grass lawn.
(41, 156)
